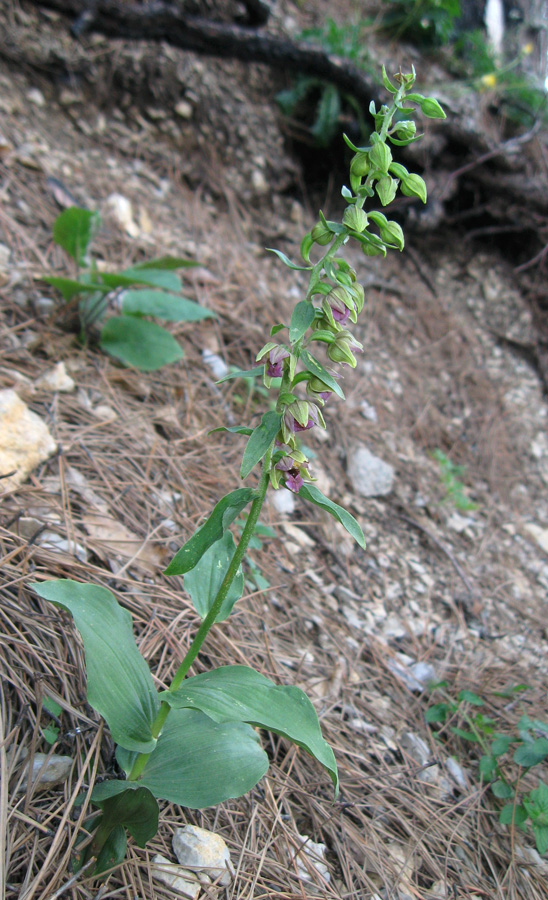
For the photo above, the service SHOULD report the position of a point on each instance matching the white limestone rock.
(49, 771)
(25, 440)
(370, 475)
(175, 877)
(57, 379)
(203, 852)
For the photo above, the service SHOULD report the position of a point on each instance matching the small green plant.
(505, 757)
(428, 23)
(195, 744)
(145, 289)
(341, 40)
(450, 473)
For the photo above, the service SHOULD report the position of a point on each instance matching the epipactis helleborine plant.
(195, 744)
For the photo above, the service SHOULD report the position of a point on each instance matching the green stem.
(317, 270)
(209, 621)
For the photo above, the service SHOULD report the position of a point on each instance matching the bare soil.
(463, 592)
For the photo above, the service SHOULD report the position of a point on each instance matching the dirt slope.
(461, 592)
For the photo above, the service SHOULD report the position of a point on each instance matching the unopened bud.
(360, 164)
(392, 233)
(380, 157)
(405, 130)
(414, 186)
(355, 219)
(321, 235)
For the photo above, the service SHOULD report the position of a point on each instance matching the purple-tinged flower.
(340, 316)
(274, 366)
(294, 482)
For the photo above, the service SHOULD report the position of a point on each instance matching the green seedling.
(196, 744)
(504, 757)
(145, 290)
(450, 473)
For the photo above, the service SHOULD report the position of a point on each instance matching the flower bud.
(431, 108)
(392, 233)
(380, 157)
(360, 164)
(414, 186)
(341, 350)
(321, 235)
(355, 219)
(358, 295)
(373, 250)
(405, 130)
(386, 189)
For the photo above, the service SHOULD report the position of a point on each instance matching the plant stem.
(209, 621)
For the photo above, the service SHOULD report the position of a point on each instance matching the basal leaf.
(73, 230)
(165, 306)
(112, 852)
(167, 262)
(311, 493)
(319, 371)
(119, 683)
(199, 762)
(205, 579)
(222, 516)
(134, 807)
(139, 343)
(70, 288)
(260, 441)
(240, 694)
(154, 277)
(301, 320)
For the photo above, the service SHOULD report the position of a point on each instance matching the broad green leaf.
(73, 231)
(154, 277)
(51, 706)
(285, 259)
(437, 713)
(167, 262)
(199, 762)
(301, 320)
(242, 373)
(500, 745)
(531, 754)
(134, 808)
(120, 686)
(510, 815)
(488, 767)
(311, 493)
(470, 697)
(260, 441)
(204, 580)
(112, 852)
(70, 288)
(139, 343)
(165, 306)
(465, 735)
(502, 790)
(319, 371)
(240, 694)
(213, 528)
(541, 837)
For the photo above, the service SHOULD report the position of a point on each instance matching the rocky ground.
(440, 593)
